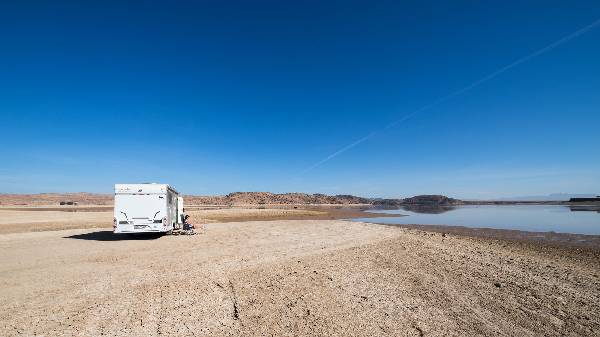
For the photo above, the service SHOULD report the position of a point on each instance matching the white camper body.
(146, 208)
(180, 211)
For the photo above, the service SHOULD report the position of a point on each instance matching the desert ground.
(46, 218)
(71, 276)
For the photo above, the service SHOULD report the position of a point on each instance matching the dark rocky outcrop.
(596, 199)
(440, 200)
(418, 201)
(387, 203)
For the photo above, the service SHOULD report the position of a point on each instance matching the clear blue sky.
(215, 97)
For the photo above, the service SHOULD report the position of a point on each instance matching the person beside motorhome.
(188, 228)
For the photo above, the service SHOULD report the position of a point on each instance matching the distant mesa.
(424, 200)
(387, 202)
(549, 197)
(596, 199)
(440, 200)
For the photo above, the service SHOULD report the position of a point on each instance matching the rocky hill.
(440, 200)
(236, 198)
(258, 198)
(387, 202)
(423, 200)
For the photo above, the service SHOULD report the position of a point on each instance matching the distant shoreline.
(550, 239)
(266, 199)
(273, 212)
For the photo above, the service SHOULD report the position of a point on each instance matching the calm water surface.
(533, 218)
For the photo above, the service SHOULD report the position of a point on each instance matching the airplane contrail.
(458, 92)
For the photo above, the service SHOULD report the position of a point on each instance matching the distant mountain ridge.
(427, 199)
(261, 198)
(231, 199)
(257, 198)
(236, 198)
(549, 197)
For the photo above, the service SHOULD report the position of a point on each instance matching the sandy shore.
(543, 239)
(293, 277)
(50, 218)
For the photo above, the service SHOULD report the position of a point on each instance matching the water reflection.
(439, 209)
(534, 218)
(428, 209)
(575, 208)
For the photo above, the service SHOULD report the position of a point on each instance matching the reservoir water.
(532, 218)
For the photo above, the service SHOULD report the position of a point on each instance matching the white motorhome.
(147, 208)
